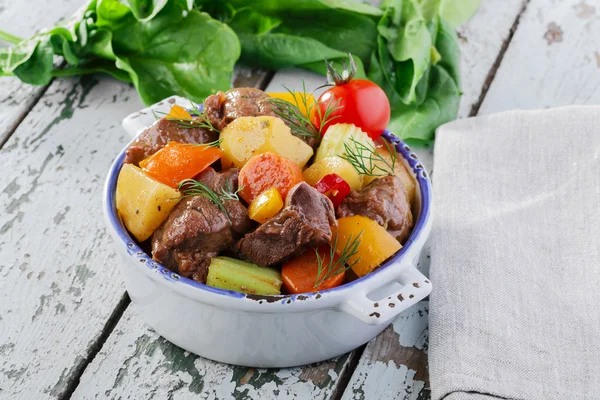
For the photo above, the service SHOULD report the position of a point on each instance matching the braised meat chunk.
(228, 181)
(162, 132)
(384, 201)
(197, 229)
(222, 108)
(306, 220)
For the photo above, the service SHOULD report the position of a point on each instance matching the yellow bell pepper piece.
(265, 206)
(333, 165)
(376, 244)
(304, 101)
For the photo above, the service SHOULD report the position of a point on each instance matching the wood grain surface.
(137, 363)
(59, 281)
(553, 59)
(23, 19)
(66, 329)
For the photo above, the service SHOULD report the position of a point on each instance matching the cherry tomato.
(354, 101)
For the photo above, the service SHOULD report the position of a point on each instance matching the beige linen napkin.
(515, 310)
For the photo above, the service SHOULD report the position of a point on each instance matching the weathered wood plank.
(481, 40)
(137, 363)
(60, 283)
(391, 366)
(23, 19)
(553, 59)
(394, 361)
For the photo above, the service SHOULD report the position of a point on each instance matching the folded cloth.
(515, 258)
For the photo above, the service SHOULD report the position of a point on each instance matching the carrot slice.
(265, 171)
(299, 275)
(178, 161)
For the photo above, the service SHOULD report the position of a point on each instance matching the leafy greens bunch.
(189, 48)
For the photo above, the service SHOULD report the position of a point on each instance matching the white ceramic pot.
(269, 331)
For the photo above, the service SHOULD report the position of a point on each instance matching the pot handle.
(415, 287)
(135, 123)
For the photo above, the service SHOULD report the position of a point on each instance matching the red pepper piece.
(334, 187)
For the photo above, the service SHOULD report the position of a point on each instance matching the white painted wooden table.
(67, 329)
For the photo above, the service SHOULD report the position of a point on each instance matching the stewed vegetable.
(275, 203)
(143, 203)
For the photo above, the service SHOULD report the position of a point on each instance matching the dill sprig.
(188, 123)
(191, 187)
(366, 160)
(216, 144)
(298, 121)
(228, 193)
(342, 264)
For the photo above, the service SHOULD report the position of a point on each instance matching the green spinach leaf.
(438, 89)
(145, 10)
(419, 122)
(446, 45)
(455, 12)
(404, 31)
(282, 7)
(175, 55)
(167, 47)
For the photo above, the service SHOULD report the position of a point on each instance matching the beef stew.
(210, 231)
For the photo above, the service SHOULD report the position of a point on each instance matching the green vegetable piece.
(419, 122)
(435, 56)
(240, 276)
(145, 10)
(191, 57)
(278, 39)
(405, 49)
(439, 89)
(458, 11)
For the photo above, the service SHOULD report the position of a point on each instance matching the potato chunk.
(248, 136)
(142, 202)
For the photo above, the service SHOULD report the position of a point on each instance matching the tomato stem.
(333, 77)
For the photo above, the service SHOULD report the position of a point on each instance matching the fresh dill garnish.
(228, 193)
(342, 264)
(188, 123)
(366, 160)
(191, 187)
(298, 121)
(215, 144)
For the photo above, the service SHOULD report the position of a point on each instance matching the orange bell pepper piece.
(299, 275)
(178, 112)
(178, 161)
(376, 244)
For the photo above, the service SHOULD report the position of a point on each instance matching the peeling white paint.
(60, 282)
(23, 20)
(411, 326)
(382, 382)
